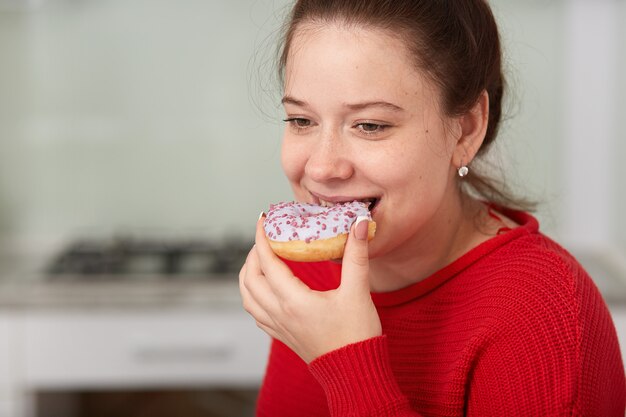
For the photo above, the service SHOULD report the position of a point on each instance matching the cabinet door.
(149, 348)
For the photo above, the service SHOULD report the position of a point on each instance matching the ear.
(472, 127)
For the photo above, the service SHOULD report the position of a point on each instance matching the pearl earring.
(463, 171)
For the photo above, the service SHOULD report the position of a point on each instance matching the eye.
(298, 122)
(371, 128)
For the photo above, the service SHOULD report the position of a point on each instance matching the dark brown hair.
(455, 42)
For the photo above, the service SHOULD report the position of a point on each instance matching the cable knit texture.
(515, 327)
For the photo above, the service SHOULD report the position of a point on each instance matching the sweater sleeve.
(556, 354)
(358, 381)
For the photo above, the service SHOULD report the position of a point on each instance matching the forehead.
(351, 41)
(339, 58)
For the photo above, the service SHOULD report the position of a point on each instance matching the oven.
(135, 327)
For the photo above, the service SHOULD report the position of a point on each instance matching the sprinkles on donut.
(311, 233)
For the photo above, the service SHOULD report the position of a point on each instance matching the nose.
(329, 160)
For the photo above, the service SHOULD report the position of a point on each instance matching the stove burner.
(123, 257)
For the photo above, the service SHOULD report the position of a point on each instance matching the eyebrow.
(351, 106)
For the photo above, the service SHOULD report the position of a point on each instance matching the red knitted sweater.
(515, 327)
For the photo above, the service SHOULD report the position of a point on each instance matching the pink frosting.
(302, 221)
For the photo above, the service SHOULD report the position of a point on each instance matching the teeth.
(368, 201)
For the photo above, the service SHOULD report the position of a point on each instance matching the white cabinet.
(147, 348)
(143, 348)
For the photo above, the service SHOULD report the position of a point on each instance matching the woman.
(459, 305)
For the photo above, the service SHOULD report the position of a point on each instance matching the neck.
(451, 234)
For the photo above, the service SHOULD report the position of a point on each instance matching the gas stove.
(128, 258)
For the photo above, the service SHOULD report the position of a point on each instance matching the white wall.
(532, 134)
(137, 115)
(134, 114)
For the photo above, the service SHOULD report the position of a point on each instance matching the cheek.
(293, 160)
(417, 170)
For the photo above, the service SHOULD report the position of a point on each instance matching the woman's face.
(363, 123)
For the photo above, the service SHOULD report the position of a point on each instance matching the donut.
(311, 233)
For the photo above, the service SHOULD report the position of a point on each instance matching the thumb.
(355, 264)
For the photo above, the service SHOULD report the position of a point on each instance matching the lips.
(326, 201)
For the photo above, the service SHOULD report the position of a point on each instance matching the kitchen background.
(159, 120)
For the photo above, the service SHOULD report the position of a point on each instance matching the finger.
(355, 264)
(253, 278)
(268, 259)
(251, 267)
(269, 330)
(278, 274)
(244, 268)
(263, 294)
(250, 304)
(256, 295)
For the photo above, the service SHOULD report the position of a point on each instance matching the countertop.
(23, 285)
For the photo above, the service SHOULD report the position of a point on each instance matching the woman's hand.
(311, 323)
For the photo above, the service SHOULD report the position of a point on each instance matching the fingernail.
(360, 228)
(261, 215)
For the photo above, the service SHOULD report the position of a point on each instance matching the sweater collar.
(527, 225)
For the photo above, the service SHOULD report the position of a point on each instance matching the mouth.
(371, 202)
